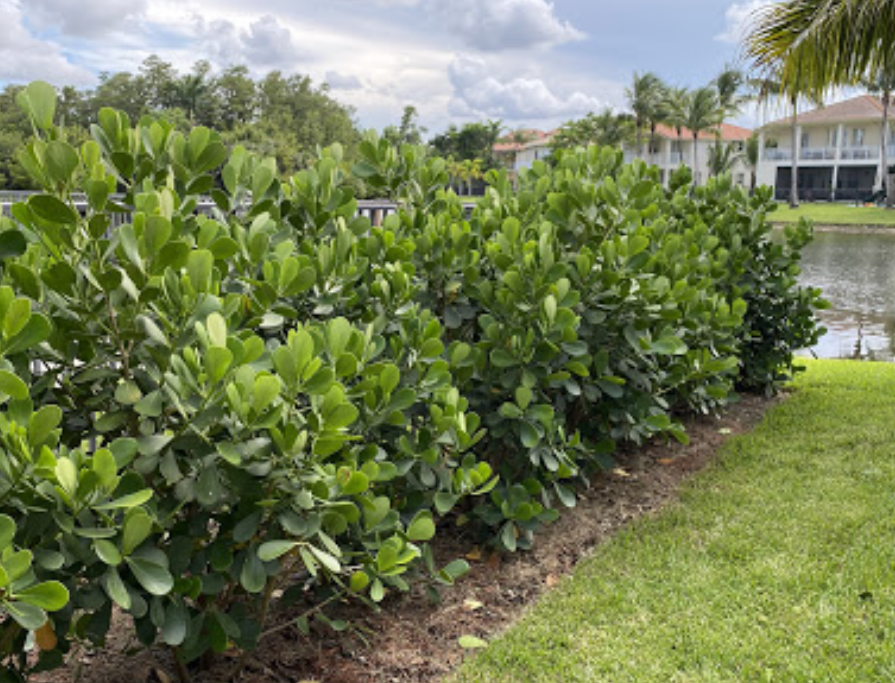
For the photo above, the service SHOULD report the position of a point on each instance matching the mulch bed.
(414, 641)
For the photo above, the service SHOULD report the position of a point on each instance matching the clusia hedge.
(202, 412)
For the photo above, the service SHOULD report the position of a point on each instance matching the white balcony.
(777, 154)
(859, 153)
(817, 153)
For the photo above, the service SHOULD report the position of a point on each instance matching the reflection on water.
(856, 272)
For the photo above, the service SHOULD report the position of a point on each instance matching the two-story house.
(667, 150)
(837, 149)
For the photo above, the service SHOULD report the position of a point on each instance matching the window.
(741, 178)
(857, 137)
(805, 139)
(834, 136)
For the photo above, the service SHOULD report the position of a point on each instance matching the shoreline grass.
(778, 564)
(826, 213)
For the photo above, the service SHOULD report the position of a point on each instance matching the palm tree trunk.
(640, 139)
(695, 156)
(884, 153)
(794, 181)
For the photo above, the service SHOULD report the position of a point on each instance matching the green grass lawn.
(835, 214)
(778, 564)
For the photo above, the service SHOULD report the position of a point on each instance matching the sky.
(529, 63)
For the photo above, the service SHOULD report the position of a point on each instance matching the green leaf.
(12, 244)
(17, 315)
(53, 210)
(389, 378)
(265, 392)
(175, 625)
(253, 577)
(271, 550)
(36, 330)
(528, 434)
(13, 385)
(108, 552)
(444, 502)
(131, 500)
(67, 475)
(199, 269)
(38, 101)
(422, 528)
(60, 160)
(137, 527)
(472, 642)
(50, 595)
(156, 234)
(7, 531)
(42, 423)
(500, 358)
(217, 362)
(217, 329)
(327, 560)
(29, 617)
(116, 589)
(208, 487)
(155, 578)
(128, 393)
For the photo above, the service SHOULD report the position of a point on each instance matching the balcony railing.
(817, 153)
(859, 153)
(777, 154)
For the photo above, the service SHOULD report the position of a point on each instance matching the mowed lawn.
(835, 214)
(777, 565)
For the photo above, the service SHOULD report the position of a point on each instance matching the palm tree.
(645, 90)
(722, 158)
(751, 157)
(657, 113)
(772, 88)
(677, 103)
(729, 84)
(822, 43)
(189, 90)
(703, 113)
(883, 83)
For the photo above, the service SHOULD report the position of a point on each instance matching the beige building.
(837, 149)
(667, 150)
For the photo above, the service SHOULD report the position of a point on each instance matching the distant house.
(837, 148)
(515, 156)
(667, 151)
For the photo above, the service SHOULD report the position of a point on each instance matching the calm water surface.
(856, 272)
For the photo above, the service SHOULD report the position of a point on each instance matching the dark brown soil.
(414, 641)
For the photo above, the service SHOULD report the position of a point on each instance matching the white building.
(667, 150)
(837, 150)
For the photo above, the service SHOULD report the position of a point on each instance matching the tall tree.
(815, 44)
(677, 104)
(606, 129)
(751, 156)
(235, 96)
(730, 84)
(642, 96)
(882, 83)
(703, 113)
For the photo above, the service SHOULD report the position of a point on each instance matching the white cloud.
(25, 58)
(84, 19)
(264, 44)
(505, 24)
(479, 93)
(340, 81)
(738, 18)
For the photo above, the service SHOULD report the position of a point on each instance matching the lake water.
(856, 272)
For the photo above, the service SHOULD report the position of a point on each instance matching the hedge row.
(202, 412)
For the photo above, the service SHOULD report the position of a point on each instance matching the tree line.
(287, 117)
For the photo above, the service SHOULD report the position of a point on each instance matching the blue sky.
(527, 62)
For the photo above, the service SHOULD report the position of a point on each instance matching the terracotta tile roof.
(537, 137)
(861, 108)
(728, 131)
